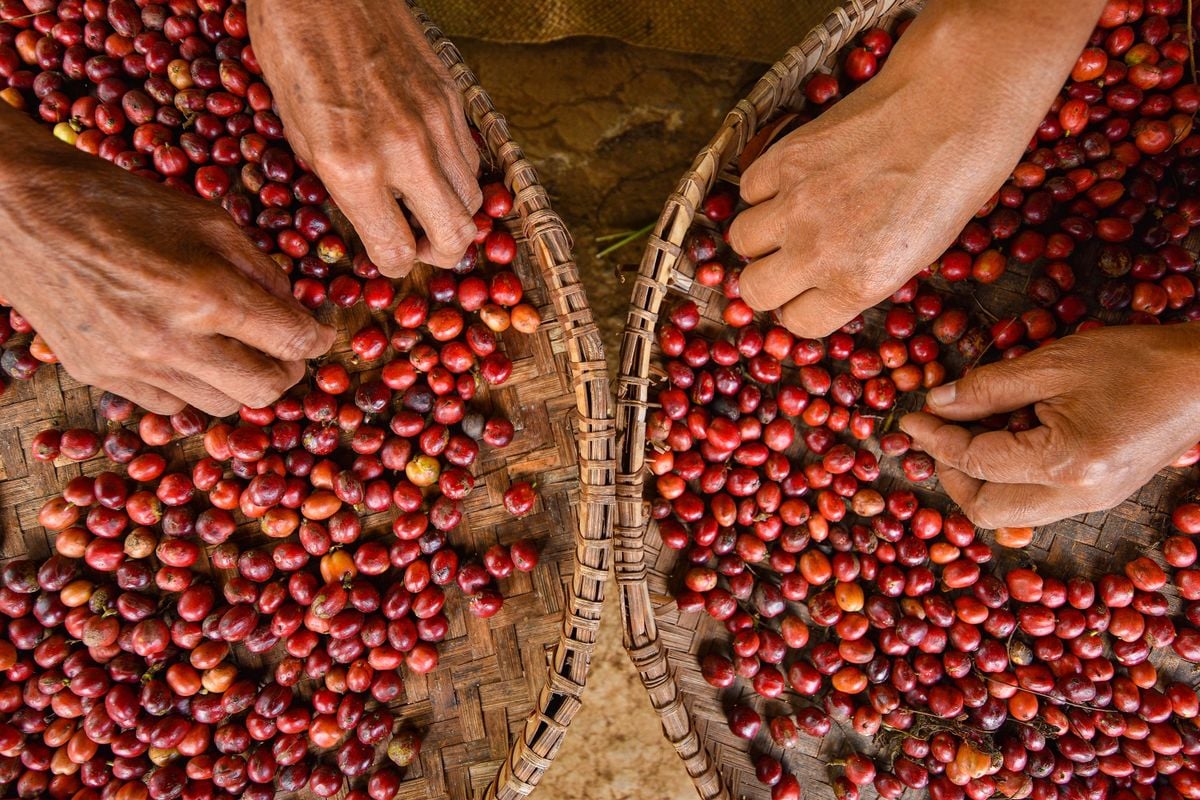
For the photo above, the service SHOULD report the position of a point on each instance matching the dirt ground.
(611, 128)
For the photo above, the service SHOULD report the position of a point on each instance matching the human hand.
(1116, 405)
(850, 206)
(368, 104)
(846, 209)
(141, 290)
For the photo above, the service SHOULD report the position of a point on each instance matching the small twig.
(623, 239)
(1191, 42)
(608, 237)
(1061, 700)
(984, 309)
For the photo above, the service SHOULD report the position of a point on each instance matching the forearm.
(16, 130)
(21, 143)
(29, 156)
(989, 68)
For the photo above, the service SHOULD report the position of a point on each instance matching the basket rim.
(595, 433)
(656, 275)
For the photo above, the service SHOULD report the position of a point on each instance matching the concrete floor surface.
(611, 129)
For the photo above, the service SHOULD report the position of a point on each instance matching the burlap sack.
(759, 30)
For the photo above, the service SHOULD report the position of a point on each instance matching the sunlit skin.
(168, 302)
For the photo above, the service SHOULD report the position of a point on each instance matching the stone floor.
(612, 128)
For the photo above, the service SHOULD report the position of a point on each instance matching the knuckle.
(984, 516)
(981, 385)
(158, 402)
(394, 259)
(970, 463)
(759, 177)
(223, 407)
(439, 257)
(300, 342)
(414, 143)
(849, 291)
(142, 350)
(474, 201)
(459, 239)
(165, 406)
(872, 285)
(263, 393)
(750, 288)
(1097, 473)
(202, 307)
(384, 236)
(778, 225)
(448, 241)
(344, 166)
(738, 233)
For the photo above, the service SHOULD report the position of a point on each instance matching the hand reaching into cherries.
(850, 206)
(1115, 405)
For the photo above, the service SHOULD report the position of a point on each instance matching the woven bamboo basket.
(494, 713)
(665, 644)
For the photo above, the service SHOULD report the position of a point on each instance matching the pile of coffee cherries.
(171, 91)
(239, 625)
(855, 607)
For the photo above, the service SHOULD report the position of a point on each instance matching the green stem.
(626, 238)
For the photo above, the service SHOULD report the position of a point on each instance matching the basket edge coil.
(567, 668)
(654, 278)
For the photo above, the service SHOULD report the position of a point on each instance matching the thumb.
(993, 389)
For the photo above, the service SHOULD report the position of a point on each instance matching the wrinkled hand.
(370, 107)
(143, 291)
(1115, 405)
(847, 208)
(850, 206)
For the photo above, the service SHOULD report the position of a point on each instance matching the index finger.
(1004, 456)
(1008, 505)
(380, 223)
(463, 173)
(279, 328)
(816, 313)
(231, 244)
(443, 215)
(760, 181)
(769, 282)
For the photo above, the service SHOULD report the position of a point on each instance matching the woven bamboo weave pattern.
(495, 712)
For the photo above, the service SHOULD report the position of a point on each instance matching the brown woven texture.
(757, 30)
(666, 645)
(495, 711)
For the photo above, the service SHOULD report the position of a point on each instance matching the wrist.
(987, 72)
(14, 139)
(32, 164)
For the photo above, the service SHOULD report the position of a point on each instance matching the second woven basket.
(665, 644)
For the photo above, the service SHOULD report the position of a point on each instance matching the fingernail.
(943, 395)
